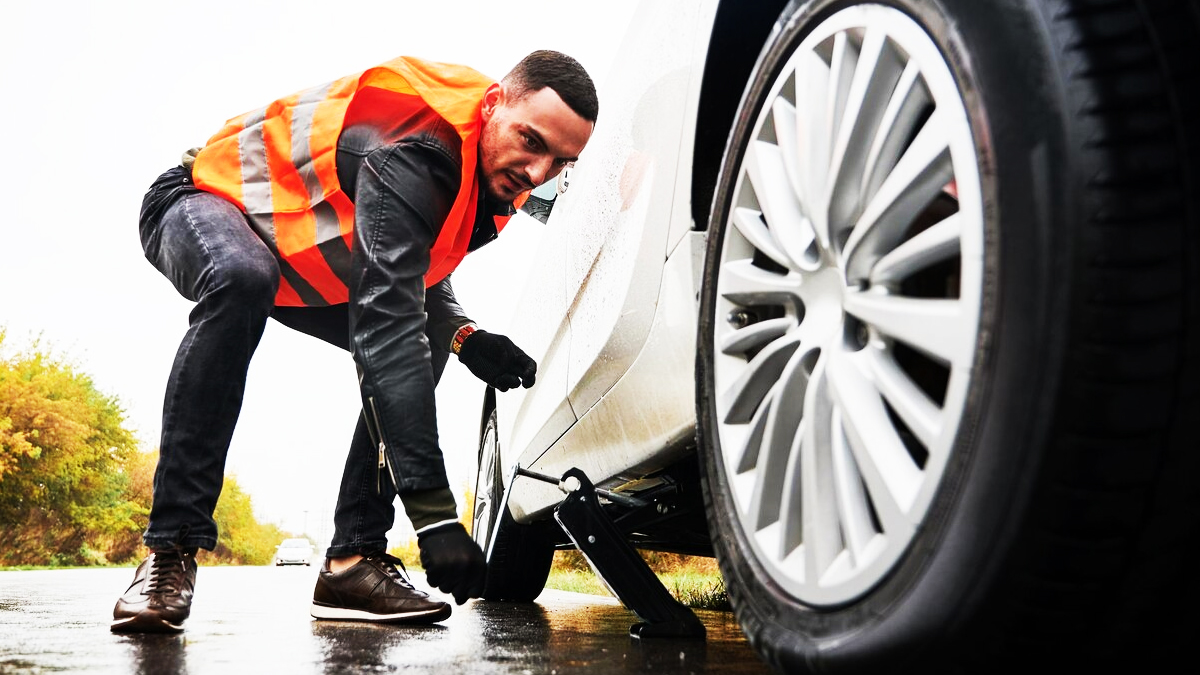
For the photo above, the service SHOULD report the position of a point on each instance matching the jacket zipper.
(377, 439)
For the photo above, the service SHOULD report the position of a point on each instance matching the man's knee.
(208, 251)
(252, 281)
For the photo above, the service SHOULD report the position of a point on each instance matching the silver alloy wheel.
(487, 489)
(851, 280)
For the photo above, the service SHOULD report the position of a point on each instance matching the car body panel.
(647, 420)
(536, 417)
(618, 215)
(604, 248)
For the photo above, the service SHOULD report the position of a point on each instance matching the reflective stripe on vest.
(258, 203)
(278, 164)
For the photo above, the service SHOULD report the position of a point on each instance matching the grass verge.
(694, 581)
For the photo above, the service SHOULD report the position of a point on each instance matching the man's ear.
(492, 99)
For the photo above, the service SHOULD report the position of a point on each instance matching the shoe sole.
(144, 624)
(320, 611)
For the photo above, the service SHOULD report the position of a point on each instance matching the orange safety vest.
(277, 164)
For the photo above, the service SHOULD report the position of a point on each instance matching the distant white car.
(892, 307)
(297, 551)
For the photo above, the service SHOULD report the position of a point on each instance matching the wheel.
(489, 485)
(948, 352)
(519, 556)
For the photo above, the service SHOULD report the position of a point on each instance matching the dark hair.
(546, 68)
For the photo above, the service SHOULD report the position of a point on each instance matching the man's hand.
(453, 561)
(496, 360)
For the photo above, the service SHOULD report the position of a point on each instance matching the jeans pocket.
(168, 187)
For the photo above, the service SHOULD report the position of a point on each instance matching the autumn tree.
(75, 489)
(62, 448)
(241, 538)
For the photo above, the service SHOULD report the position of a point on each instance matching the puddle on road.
(511, 637)
(256, 620)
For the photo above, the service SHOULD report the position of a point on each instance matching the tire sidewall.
(949, 574)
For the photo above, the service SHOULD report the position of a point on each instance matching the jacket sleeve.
(446, 316)
(403, 194)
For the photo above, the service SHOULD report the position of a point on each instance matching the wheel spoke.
(905, 110)
(842, 65)
(891, 476)
(755, 336)
(787, 132)
(936, 327)
(792, 510)
(753, 443)
(750, 224)
(917, 178)
(781, 437)
(938, 243)
(875, 77)
(918, 412)
(746, 284)
(817, 486)
(786, 221)
(853, 507)
(812, 142)
(760, 374)
(771, 472)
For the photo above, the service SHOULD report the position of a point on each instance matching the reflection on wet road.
(255, 619)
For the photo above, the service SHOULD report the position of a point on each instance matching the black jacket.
(404, 175)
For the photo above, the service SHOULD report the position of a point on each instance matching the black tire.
(519, 556)
(1059, 529)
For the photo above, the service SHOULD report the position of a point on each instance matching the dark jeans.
(205, 247)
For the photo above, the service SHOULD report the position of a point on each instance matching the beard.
(505, 186)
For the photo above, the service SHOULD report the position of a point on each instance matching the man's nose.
(538, 171)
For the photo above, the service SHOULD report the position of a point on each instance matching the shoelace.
(389, 564)
(167, 569)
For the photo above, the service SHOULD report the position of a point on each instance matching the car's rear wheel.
(948, 353)
(519, 556)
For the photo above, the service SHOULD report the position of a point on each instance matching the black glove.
(453, 562)
(496, 360)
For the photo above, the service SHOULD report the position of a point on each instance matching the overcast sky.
(100, 98)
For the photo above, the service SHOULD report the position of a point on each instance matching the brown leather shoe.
(160, 597)
(374, 590)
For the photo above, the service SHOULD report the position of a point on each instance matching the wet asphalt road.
(255, 620)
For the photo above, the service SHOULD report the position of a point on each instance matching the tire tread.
(1098, 514)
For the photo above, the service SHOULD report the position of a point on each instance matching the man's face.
(527, 142)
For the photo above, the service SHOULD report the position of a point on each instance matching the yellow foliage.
(241, 538)
(74, 487)
(62, 446)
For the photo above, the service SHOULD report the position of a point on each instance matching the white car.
(893, 308)
(297, 551)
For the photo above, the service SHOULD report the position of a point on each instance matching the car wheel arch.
(489, 404)
(740, 32)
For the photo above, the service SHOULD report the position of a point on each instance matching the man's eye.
(530, 141)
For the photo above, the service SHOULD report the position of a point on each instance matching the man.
(340, 211)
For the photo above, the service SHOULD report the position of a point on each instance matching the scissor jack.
(615, 561)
